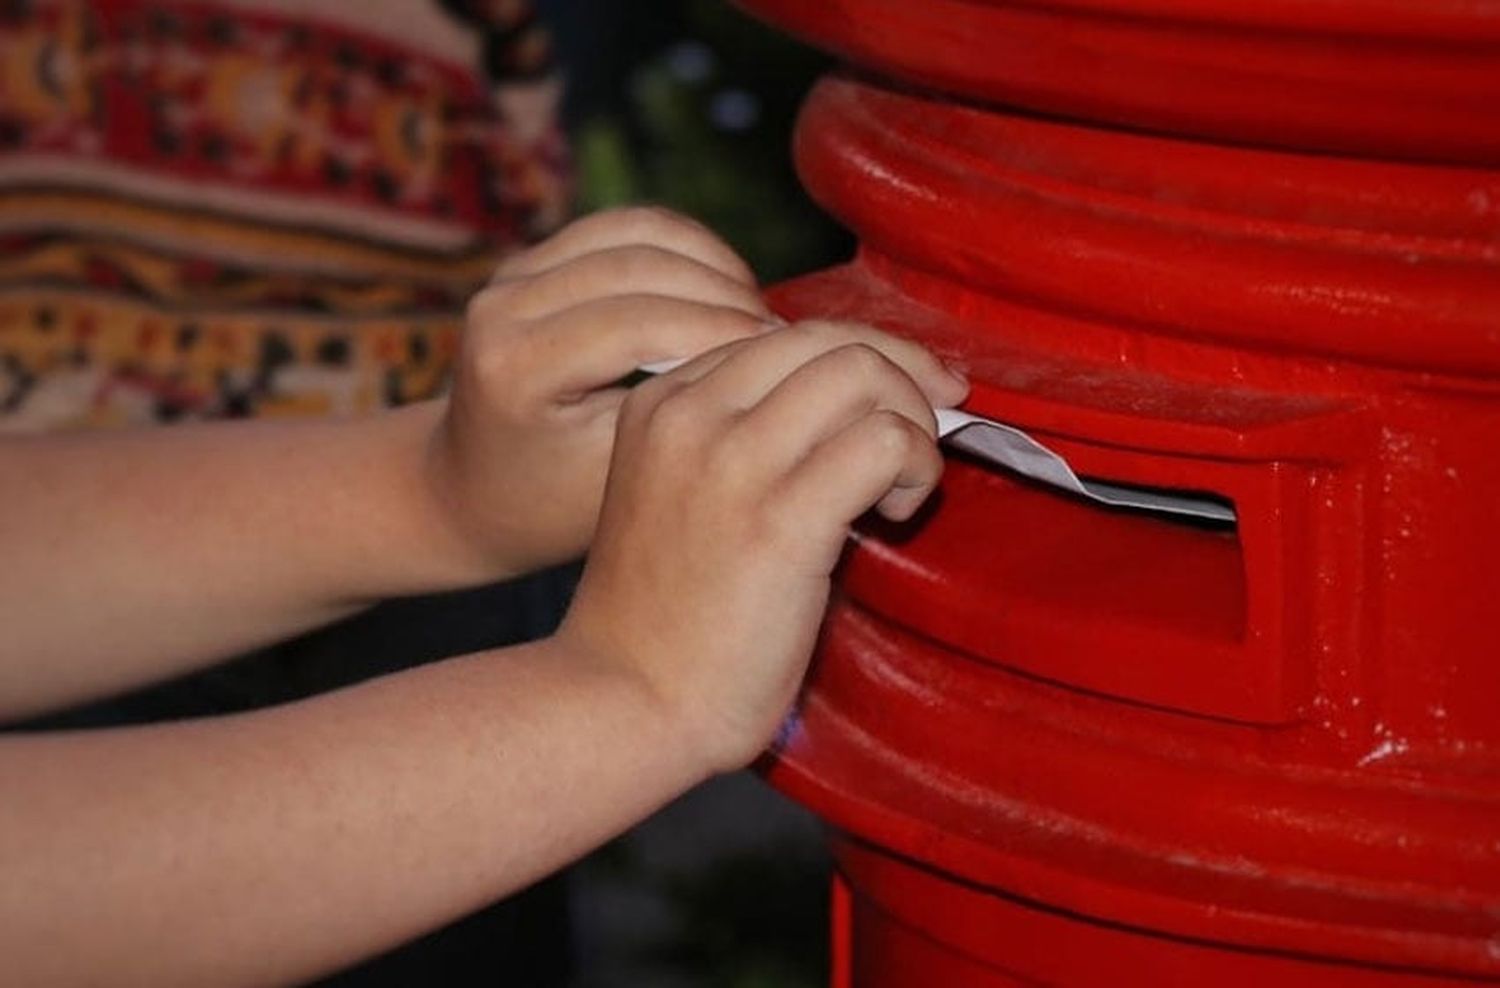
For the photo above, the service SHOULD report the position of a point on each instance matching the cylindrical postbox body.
(1246, 250)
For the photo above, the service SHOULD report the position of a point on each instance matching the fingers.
(595, 344)
(629, 270)
(844, 430)
(612, 291)
(822, 397)
(882, 459)
(741, 375)
(641, 225)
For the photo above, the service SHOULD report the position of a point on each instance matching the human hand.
(519, 458)
(733, 483)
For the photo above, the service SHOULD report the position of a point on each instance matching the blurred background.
(690, 104)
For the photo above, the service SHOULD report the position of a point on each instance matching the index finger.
(636, 225)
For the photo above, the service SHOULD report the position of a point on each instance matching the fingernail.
(773, 322)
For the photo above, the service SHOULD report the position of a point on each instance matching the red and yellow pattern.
(239, 208)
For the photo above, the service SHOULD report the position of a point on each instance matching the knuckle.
(890, 435)
(653, 225)
(636, 262)
(919, 358)
(827, 333)
(490, 371)
(863, 361)
(493, 354)
(490, 304)
(803, 334)
(491, 357)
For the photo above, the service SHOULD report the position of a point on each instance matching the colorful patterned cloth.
(258, 207)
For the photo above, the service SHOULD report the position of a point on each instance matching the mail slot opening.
(1133, 604)
(1018, 451)
(1224, 519)
(999, 540)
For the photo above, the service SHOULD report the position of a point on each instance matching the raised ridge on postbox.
(1211, 620)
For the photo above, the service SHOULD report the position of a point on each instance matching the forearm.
(271, 847)
(132, 557)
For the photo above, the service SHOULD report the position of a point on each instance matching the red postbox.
(1249, 250)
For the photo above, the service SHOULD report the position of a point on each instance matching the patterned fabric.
(258, 207)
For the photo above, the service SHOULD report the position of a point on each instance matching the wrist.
(486, 516)
(673, 727)
(421, 544)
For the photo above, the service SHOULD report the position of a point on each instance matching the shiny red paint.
(1069, 745)
(1405, 78)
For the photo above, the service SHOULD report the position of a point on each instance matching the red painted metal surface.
(1067, 745)
(1406, 78)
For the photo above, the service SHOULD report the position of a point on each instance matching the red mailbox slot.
(1246, 250)
(1041, 583)
(1047, 584)
(1212, 620)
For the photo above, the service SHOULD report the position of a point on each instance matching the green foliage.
(714, 142)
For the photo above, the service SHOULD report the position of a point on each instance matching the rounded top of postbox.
(1412, 79)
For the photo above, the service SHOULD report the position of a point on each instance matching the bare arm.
(271, 847)
(132, 557)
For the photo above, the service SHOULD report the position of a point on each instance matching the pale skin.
(271, 847)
